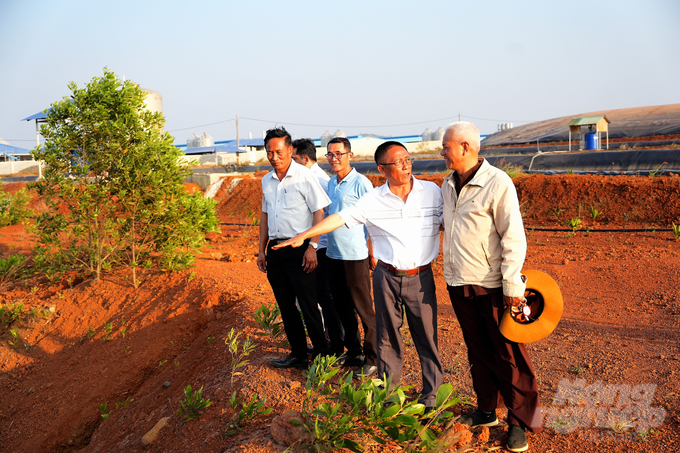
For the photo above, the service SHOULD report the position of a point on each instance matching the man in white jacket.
(484, 250)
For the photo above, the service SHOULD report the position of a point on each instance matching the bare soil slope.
(620, 327)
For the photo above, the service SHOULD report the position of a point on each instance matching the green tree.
(113, 185)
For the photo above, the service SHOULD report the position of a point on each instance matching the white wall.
(366, 146)
(11, 167)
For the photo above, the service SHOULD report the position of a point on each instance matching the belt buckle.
(400, 273)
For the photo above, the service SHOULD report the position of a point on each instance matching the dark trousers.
(501, 369)
(415, 295)
(289, 281)
(331, 319)
(351, 288)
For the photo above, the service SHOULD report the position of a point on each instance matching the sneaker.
(368, 370)
(517, 439)
(479, 418)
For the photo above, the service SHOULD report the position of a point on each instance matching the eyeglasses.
(337, 156)
(405, 162)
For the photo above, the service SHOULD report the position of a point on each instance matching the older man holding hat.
(484, 250)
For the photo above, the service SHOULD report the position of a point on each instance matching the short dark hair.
(343, 140)
(305, 147)
(277, 132)
(382, 149)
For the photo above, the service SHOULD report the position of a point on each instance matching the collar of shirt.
(349, 177)
(385, 188)
(293, 167)
(458, 184)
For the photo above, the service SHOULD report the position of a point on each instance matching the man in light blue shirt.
(304, 153)
(349, 262)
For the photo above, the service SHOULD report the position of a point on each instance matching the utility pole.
(237, 140)
(459, 117)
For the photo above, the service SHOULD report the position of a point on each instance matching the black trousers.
(351, 288)
(289, 281)
(501, 370)
(331, 319)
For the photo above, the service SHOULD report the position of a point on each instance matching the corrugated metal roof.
(587, 120)
(9, 149)
(37, 116)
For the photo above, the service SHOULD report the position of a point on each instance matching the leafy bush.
(10, 266)
(346, 414)
(14, 208)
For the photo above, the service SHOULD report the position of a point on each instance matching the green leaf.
(414, 409)
(405, 420)
(391, 411)
(427, 435)
(443, 393)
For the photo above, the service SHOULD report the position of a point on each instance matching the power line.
(202, 125)
(500, 121)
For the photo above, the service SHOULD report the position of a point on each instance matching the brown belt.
(404, 272)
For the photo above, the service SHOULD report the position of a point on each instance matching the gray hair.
(467, 131)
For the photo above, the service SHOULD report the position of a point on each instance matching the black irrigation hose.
(239, 224)
(567, 230)
(617, 230)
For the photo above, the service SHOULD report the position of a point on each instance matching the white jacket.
(484, 240)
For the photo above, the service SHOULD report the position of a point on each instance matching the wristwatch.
(314, 245)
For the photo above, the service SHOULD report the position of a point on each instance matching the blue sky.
(389, 68)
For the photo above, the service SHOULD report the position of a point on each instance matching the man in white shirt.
(304, 153)
(292, 201)
(484, 250)
(403, 218)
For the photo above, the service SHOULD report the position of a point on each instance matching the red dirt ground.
(620, 327)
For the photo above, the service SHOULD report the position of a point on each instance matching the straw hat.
(544, 299)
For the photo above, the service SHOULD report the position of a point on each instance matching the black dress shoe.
(290, 362)
(479, 418)
(517, 439)
(356, 360)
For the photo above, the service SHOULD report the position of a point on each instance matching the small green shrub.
(574, 224)
(676, 231)
(14, 208)
(104, 410)
(594, 213)
(190, 408)
(16, 339)
(267, 316)
(646, 434)
(513, 170)
(108, 327)
(11, 312)
(239, 351)
(11, 267)
(124, 404)
(247, 412)
(658, 171)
